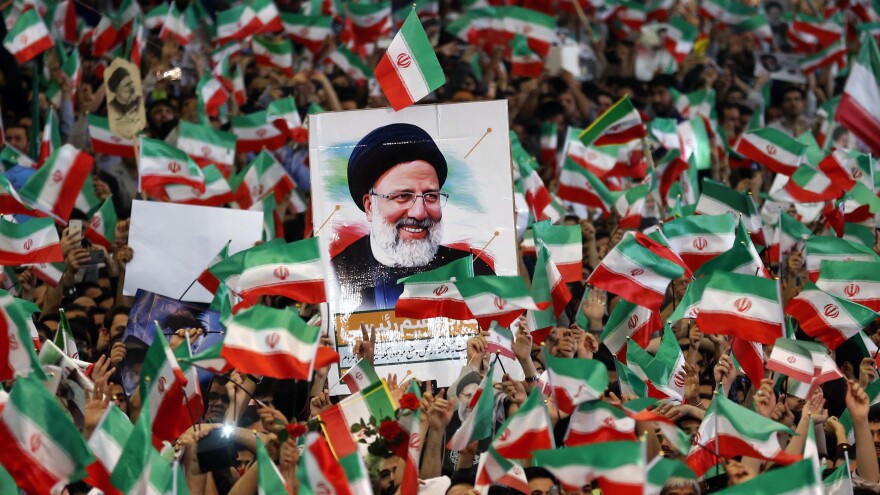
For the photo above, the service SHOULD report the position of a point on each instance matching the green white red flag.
(664, 372)
(791, 359)
(53, 189)
(360, 376)
(320, 472)
(824, 248)
(528, 430)
(211, 94)
(50, 273)
(741, 258)
(478, 424)
(857, 281)
(835, 53)
(497, 298)
(831, 319)
(598, 421)
(639, 270)
(680, 38)
(370, 21)
(799, 478)
(284, 115)
(629, 321)
(274, 53)
(262, 176)
(718, 199)
(434, 293)
(579, 185)
(838, 482)
(106, 443)
(50, 139)
(500, 341)
(774, 149)
(235, 23)
(699, 238)
(808, 185)
(409, 70)
(744, 306)
(619, 124)
(28, 38)
(217, 191)
(524, 62)
(269, 479)
(102, 226)
(536, 195)
(730, 430)
(17, 356)
(180, 25)
(495, 469)
(619, 467)
(575, 380)
(35, 241)
(160, 164)
(254, 132)
(276, 343)
(208, 280)
(564, 242)
(309, 31)
(374, 401)
(787, 234)
(350, 63)
(209, 359)
(549, 143)
(660, 470)
(548, 285)
(859, 108)
(162, 383)
(105, 142)
(846, 168)
(42, 448)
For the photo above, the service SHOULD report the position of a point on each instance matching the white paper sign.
(174, 243)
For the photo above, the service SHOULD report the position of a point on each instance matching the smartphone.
(429, 386)
(216, 451)
(96, 258)
(75, 228)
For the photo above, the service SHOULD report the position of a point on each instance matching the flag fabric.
(236, 23)
(374, 401)
(105, 142)
(524, 61)
(11, 202)
(799, 478)
(680, 38)
(106, 443)
(834, 53)
(28, 38)
(64, 337)
(598, 421)
(35, 241)
(859, 108)
(102, 226)
(140, 468)
(549, 143)
(208, 280)
(839, 482)
(211, 95)
(409, 69)
(105, 36)
(254, 132)
(497, 298)
(360, 376)
(493, 468)
(847, 168)
(660, 470)
(274, 343)
(500, 341)
(791, 359)
(579, 185)
(277, 54)
(53, 189)
(217, 190)
(564, 242)
(619, 124)
(547, 285)
(639, 270)
(285, 116)
(410, 450)
(350, 63)
(718, 199)
(17, 357)
(50, 139)
(741, 258)
(239, 94)
(527, 431)
(267, 16)
(180, 25)
(50, 273)
(774, 149)
(309, 31)
(857, 281)
(370, 21)
(269, 479)
(744, 306)
(209, 359)
(629, 321)
(824, 248)
(617, 466)
(831, 319)
(434, 293)
(736, 431)
(575, 380)
(319, 472)
(275, 268)
(43, 450)
(808, 185)
(262, 176)
(480, 422)
(161, 387)
(160, 164)
(786, 236)
(699, 238)
(663, 373)
(537, 197)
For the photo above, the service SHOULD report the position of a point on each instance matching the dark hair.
(176, 321)
(117, 77)
(535, 472)
(463, 477)
(663, 81)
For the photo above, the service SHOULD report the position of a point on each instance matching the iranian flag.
(497, 298)
(274, 343)
(564, 244)
(744, 306)
(284, 115)
(53, 189)
(845, 168)
(680, 38)
(320, 472)
(619, 124)
(217, 191)
(500, 341)
(774, 149)
(17, 358)
(277, 54)
(598, 421)
(42, 448)
(434, 293)
(824, 248)
(275, 268)
(360, 376)
(495, 469)
(105, 36)
(639, 270)
(859, 109)
(619, 467)
(835, 53)
(786, 236)
(538, 28)
(638, 410)
(239, 94)
(736, 431)
(528, 430)
(663, 373)
(807, 185)
(161, 164)
(210, 360)
(801, 478)
(10, 202)
(839, 482)
(105, 142)
(207, 145)
(254, 132)
(660, 469)
(741, 258)
(162, 383)
(547, 283)
(857, 281)
(480, 422)
(791, 359)
(140, 468)
(211, 95)
(827, 317)
(410, 49)
(51, 137)
(208, 280)
(262, 177)
(699, 238)
(549, 143)
(102, 226)
(524, 62)
(106, 443)
(28, 38)
(718, 199)
(181, 26)
(269, 479)
(350, 63)
(578, 185)
(236, 23)
(629, 321)
(35, 241)
(374, 401)
(267, 16)
(309, 31)
(50, 273)
(537, 197)
(575, 380)
(370, 21)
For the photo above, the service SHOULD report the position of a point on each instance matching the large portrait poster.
(400, 193)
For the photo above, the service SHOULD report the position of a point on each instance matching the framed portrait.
(125, 98)
(400, 193)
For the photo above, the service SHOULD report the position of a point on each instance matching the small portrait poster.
(125, 98)
(400, 193)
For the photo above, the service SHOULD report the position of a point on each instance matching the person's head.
(603, 102)
(661, 98)
(17, 137)
(465, 390)
(217, 400)
(122, 85)
(730, 120)
(395, 174)
(680, 486)
(737, 472)
(390, 475)
(162, 117)
(462, 483)
(117, 393)
(82, 335)
(243, 460)
(116, 321)
(792, 102)
(541, 481)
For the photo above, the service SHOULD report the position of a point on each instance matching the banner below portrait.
(400, 193)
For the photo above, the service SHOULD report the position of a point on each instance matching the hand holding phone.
(75, 230)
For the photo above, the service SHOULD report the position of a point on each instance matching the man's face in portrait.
(404, 209)
(125, 91)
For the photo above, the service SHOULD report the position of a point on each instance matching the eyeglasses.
(408, 199)
(387, 472)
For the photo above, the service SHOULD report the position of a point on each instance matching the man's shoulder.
(354, 251)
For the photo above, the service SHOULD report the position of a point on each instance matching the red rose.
(296, 430)
(391, 431)
(409, 401)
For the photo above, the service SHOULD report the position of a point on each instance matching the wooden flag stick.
(488, 130)
(494, 236)
(335, 209)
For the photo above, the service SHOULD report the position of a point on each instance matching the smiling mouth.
(413, 230)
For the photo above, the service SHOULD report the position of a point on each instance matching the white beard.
(390, 250)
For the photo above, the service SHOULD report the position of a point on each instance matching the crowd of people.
(623, 50)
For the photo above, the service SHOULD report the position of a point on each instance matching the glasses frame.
(444, 198)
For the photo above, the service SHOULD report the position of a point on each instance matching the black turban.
(383, 149)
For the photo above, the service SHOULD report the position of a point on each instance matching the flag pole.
(717, 447)
(498, 360)
(488, 130)
(483, 250)
(335, 209)
(197, 276)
